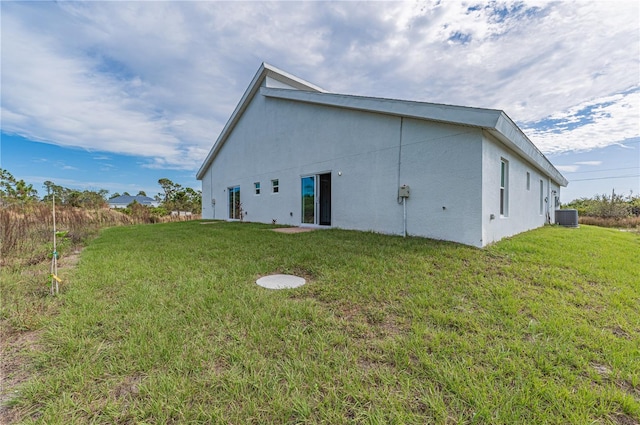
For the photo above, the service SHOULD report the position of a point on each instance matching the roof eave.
(512, 136)
(291, 79)
(476, 117)
(496, 122)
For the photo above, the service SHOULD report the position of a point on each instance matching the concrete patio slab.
(294, 229)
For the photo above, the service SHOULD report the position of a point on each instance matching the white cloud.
(595, 163)
(58, 99)
(572, 168)
(608, 120)
(59, 95)
(567, 168)
(160, 79)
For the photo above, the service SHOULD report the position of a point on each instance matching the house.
(123, 201)
(293, 153)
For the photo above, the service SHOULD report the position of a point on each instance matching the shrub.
(607, 206)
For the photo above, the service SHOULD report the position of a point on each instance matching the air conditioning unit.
(567, 218)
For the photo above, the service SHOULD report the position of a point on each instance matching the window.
(275, 186)
(235, 207)
(528, 181)
(504, 188)
(541, 197)
(256, 186)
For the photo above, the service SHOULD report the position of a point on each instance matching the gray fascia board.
(475, 117)
(510, 134)
(233, 120)
(496, 122)
(264, 70)
(291, 79)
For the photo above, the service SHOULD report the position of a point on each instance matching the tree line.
(607, 206)
(174, 197)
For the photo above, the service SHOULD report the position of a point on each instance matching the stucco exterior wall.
(453, 172)
(527, 206)
(441, 164)
(286, 140)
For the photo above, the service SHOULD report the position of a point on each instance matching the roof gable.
(272, 82)
(268, 76)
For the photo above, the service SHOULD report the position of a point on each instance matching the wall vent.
(567, 218)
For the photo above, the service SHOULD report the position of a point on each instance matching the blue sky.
(116, 95)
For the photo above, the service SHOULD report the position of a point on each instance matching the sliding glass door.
(309, 200)
(316, 199)
(234, 202)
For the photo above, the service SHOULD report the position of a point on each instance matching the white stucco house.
(295, 154)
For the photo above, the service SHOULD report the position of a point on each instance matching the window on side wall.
(256, 186)
(275, 186)
(504, 188)
(528, 181)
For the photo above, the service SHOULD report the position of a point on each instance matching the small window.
(275, 186)
(528, 181)
(256, 186)
(504, 188)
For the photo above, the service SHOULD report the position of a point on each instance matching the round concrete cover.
(280, 281)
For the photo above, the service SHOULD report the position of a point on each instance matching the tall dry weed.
(630, 222)
(10, 231)
(26, 233)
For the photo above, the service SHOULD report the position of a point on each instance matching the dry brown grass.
(630, 222)
(26, 232)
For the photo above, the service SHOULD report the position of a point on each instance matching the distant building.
(302, 156)
(123, 201)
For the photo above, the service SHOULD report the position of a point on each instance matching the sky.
(116, 95)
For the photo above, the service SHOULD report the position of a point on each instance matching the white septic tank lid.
(280, 281)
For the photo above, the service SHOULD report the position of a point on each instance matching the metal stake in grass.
(55, 280)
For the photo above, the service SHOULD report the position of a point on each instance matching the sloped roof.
(273, 77)
(494, 121)
(127, 199)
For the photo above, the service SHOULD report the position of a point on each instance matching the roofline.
(405, 108)
(291, 79)
(512, 136)
(264, 71)
(496, 122)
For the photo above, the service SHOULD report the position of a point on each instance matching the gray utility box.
(567, 218)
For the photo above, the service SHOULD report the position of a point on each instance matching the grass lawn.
(164, 324)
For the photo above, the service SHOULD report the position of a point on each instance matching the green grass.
(164, 324)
